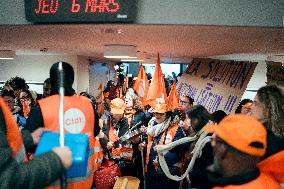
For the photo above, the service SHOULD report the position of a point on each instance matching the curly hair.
(30, 96)
(137, 104)
(272, 99)
(17, 83)
(5, 92)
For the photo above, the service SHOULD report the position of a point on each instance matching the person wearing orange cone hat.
(162, 129)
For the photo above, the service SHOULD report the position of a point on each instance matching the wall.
(34, 69)
(259, 77)
(200, 12)
(208, 12)
(83, 80)
(100, 72)
(257, 80)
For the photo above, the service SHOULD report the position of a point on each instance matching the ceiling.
(175, 43)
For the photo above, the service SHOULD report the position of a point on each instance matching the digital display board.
(62, 11)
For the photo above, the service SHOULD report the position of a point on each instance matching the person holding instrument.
(162, 129)
(114, 128)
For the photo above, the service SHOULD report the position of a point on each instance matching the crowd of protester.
(246, 150)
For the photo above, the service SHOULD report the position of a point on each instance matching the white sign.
(216, 84)
(74, 120)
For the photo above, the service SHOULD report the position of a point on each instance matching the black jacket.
(34, 174)
(122, 125)
(274, 144)
(137, 117)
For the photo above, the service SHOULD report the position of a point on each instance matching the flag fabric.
(26, 108)
(141, 85)
(157, 90)
(125, 86)
(119, 92)
(173, 98)
(101, 95)
(100, 86)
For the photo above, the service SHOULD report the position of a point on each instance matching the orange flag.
(125, 86)
(157, 90)
(119, 92)
(26, 108)
(173, 97)
(141, 85)
(101, 95)
(100, 86)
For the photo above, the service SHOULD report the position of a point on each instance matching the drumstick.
(124, 183)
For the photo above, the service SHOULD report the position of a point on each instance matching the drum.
(107, 175)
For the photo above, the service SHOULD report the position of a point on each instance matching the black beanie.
(68, 78)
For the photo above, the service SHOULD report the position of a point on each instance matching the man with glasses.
(185, 103)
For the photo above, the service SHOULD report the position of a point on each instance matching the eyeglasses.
(158, 114)
(182, 102)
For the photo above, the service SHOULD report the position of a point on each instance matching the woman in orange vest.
(162, 129)
(14, 171)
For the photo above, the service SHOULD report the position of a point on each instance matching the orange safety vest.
(99, 152)
(13, 134)
(170, 135)
(264, 181)
(274, 166)
(124, 151)
(78, 118)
